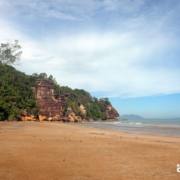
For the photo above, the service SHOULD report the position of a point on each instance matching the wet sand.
(57, 151)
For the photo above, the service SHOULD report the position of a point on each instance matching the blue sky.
(127, 50)
(162, 106)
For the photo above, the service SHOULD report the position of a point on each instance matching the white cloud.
(115, 63)
(110, 63)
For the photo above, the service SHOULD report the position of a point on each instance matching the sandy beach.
(57, 151)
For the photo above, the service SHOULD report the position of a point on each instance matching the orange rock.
(28, 118)
(43, 118)
(72, 117)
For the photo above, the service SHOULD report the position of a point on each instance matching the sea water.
(165, 127)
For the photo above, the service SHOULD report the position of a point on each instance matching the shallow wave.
(127, 123)
(138, 127)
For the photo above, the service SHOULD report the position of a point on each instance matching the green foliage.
(94, 111)
(16, 93)
(95, 108)
(16, 96)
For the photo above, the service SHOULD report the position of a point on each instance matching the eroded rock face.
(50, 108)
(54, 108)
(111, 112)
(72, 117)
(27, 117)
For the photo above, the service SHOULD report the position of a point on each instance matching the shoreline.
(111, 126)
(54, 150)
(143, 129)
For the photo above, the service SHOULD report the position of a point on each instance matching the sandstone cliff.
(39, 97)
(53, 107)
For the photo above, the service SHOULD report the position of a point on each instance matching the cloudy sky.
(127, 50)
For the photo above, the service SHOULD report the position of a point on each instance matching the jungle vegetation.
(16, 90)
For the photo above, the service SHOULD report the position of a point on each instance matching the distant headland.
(40, 97)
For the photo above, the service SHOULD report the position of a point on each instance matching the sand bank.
(50, 151)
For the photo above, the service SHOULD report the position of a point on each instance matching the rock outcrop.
(53, 107)
(28, 117)
(111, 112)
(50, 108)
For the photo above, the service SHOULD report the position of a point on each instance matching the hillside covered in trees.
(18, 97)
